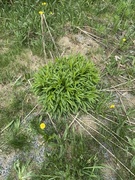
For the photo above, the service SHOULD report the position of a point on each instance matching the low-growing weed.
(18, 139)
(67, 86)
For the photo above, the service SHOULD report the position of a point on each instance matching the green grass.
(74, 156)
(70, 155)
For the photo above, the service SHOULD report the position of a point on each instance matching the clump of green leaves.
(18, 139)
(67, 86)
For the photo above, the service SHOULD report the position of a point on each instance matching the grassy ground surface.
(97, 144)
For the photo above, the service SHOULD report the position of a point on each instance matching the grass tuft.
(67, 86)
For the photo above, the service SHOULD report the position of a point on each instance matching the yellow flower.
(41, 12)
(51, 13)
(42, 126)
(44, 3)
(112, 106)
(124, 39)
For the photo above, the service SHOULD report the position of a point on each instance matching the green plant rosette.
(67, 86)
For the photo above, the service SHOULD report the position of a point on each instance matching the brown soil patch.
(77, 44)
(88, 122)
(17, 69)
(128, 99)
(29, 60)
(73, 44)
(5, 95)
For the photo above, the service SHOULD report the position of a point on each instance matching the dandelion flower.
(112, 106)
(41, 12)
(124, 39)
(51, 13)
(42, 126)
(44, 3)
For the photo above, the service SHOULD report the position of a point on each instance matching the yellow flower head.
(41, 12)
(42, 126)
(51, 13)
(124, 39)
(112, 106)
(44, 3)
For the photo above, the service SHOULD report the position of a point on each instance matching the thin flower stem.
(6, 127)
(125, 150)
(29, 113)
(53, 123)
(44, 18)
(43, 37)
(109, 131)
(112, 87)
(106, 149)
